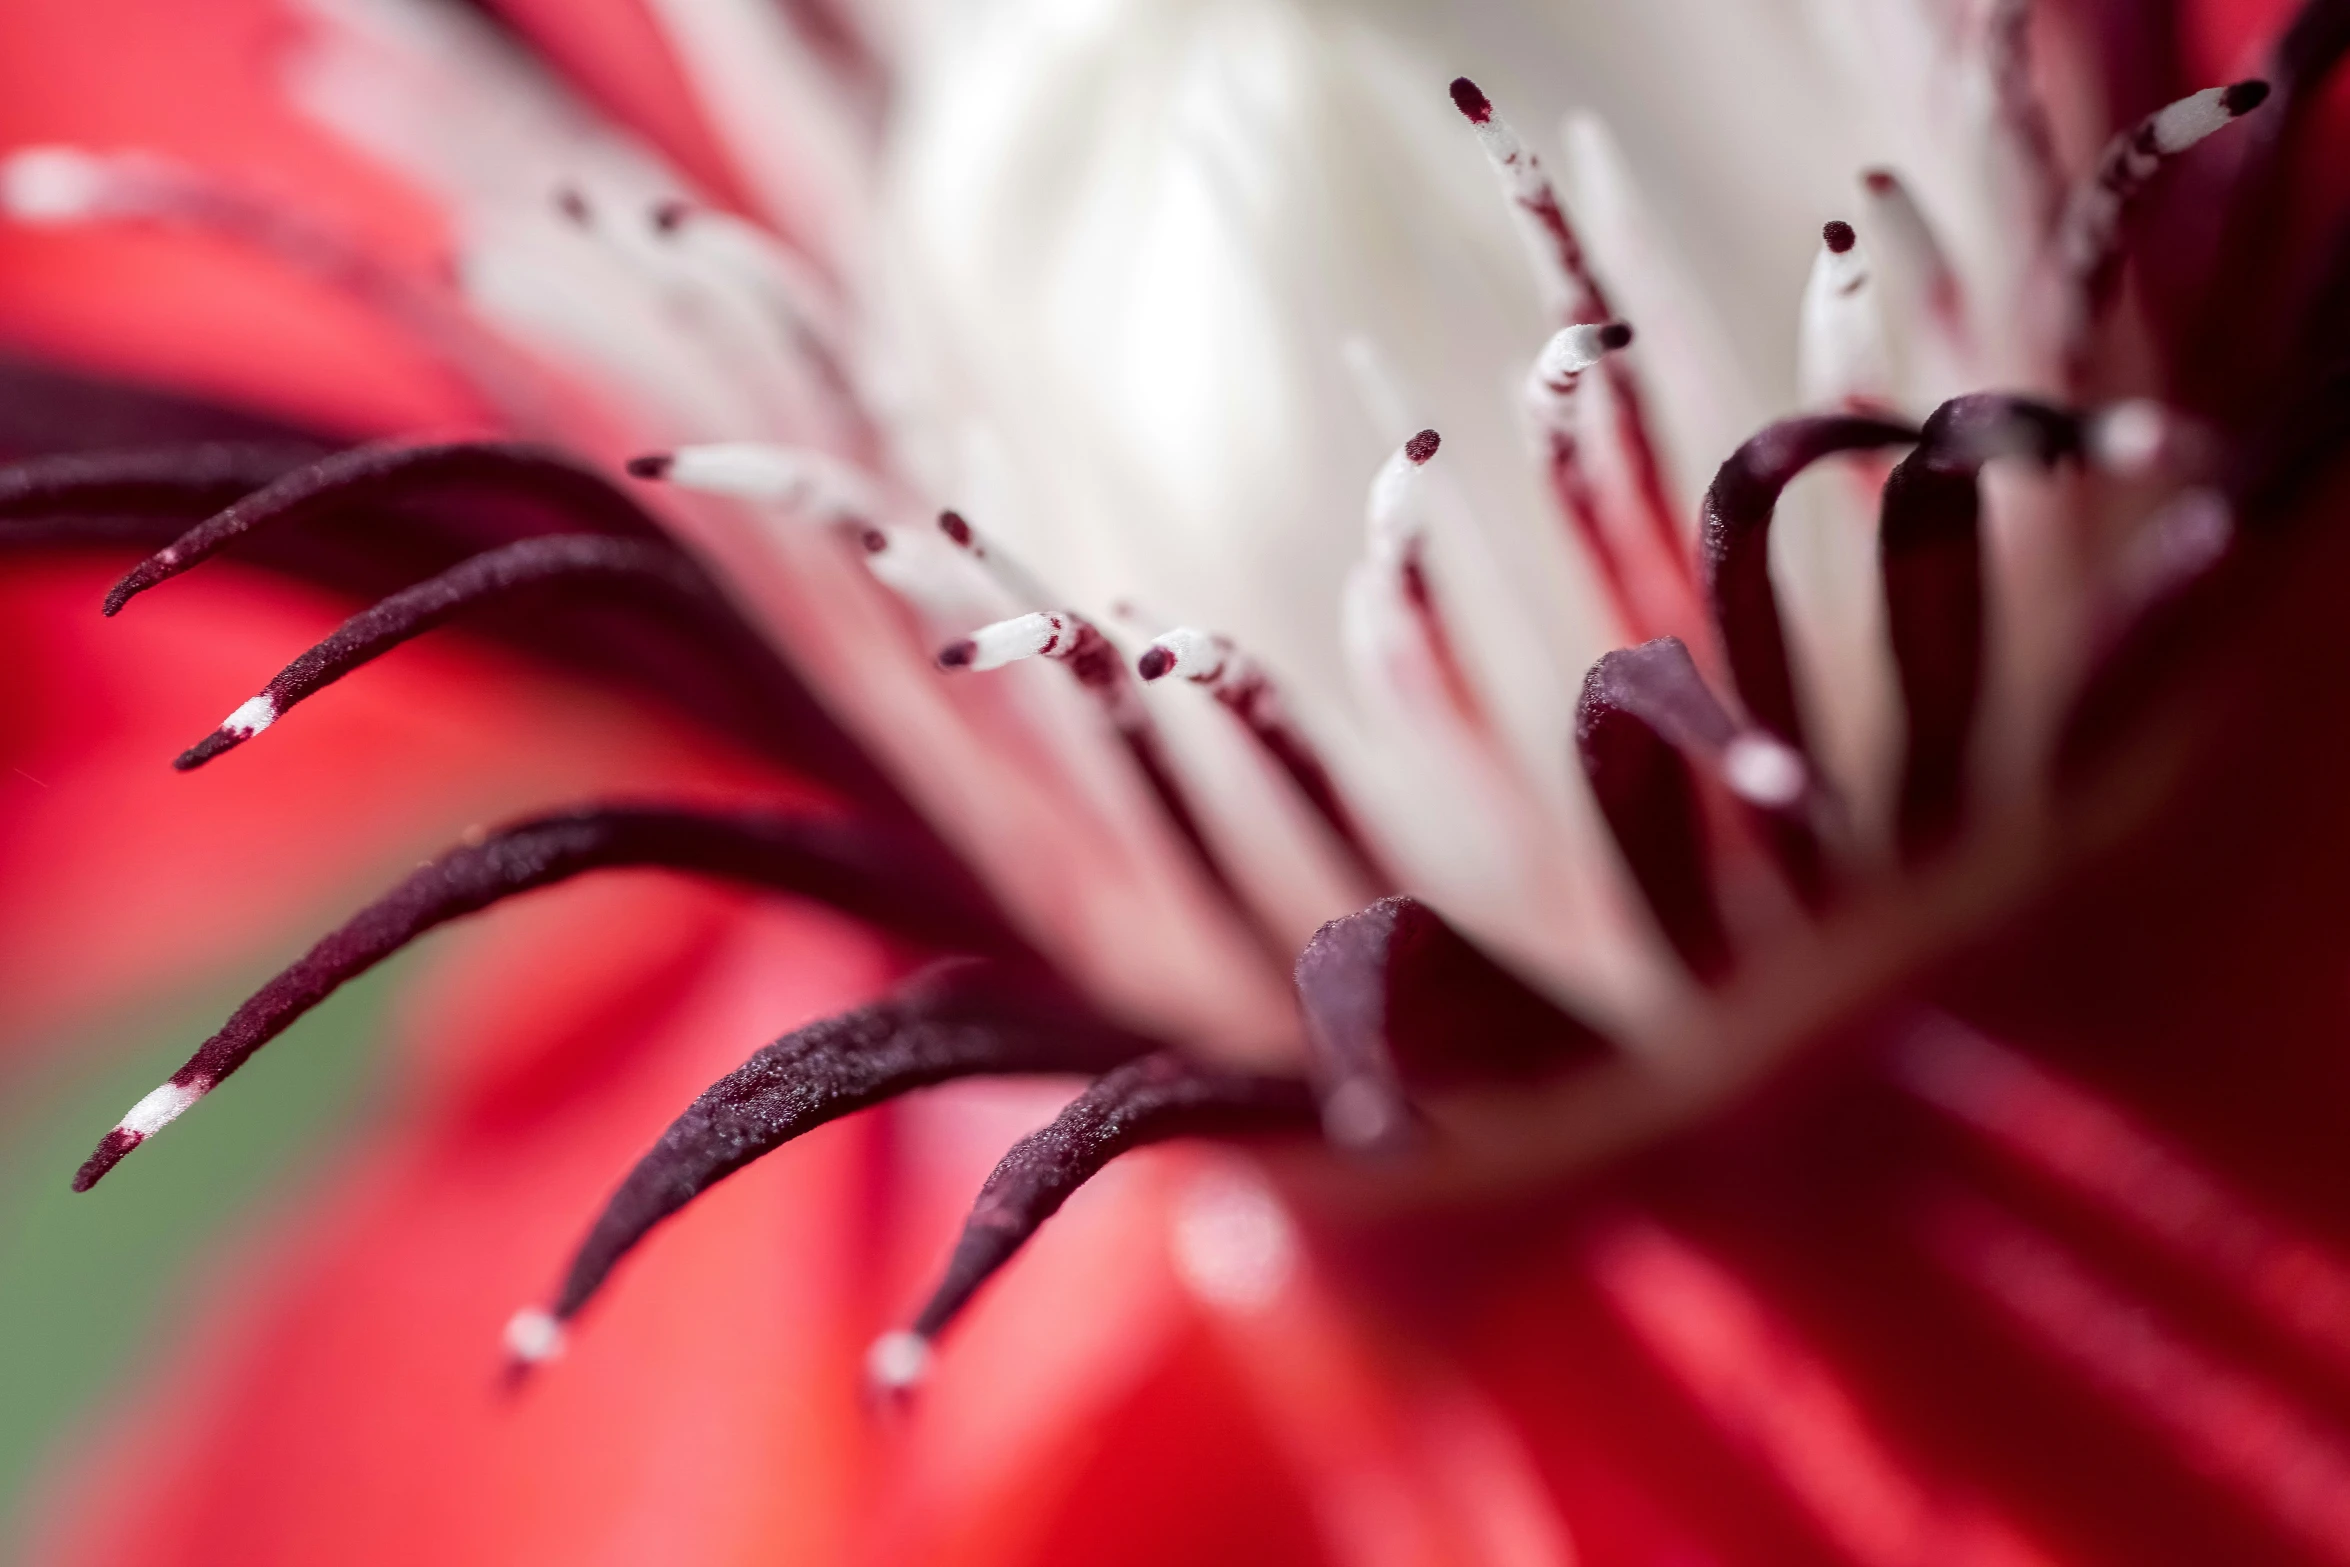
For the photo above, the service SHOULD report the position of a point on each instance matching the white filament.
(1199, 656)
(1841, 359)
(1572, 351)
(1023, 636)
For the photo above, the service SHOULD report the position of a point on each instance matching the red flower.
(1896, 1126)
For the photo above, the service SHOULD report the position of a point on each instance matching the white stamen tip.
(898, 1361)
(2131, 438)
(534, 1337)
(250, 719)
(51, 184)
(1187, 651)
(789, 476)
(1764, 771)
(1009, 641)
(160, 1108)
(1576, 349)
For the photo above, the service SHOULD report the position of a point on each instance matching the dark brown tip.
(1155, 661)
(1615, 335)
(2245, 96)
(1838, 236)
(135, 582)
(669, 215)
(105, 1157)
(951, 524)
(955, 655)
(1470, 101)
(653, 465)
(1881, 182)
(205, 750)
(1423, 446)
(572, 204)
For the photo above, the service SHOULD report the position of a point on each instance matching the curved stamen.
(2089, 236)
(1249, 694)
(946, 1025)
(100, 495)
(374, 632)
(1396, 575)
(1393, 995)
(1648, 795)
(872, 874)
(373, 474)
(1734, 538)
(1929, 540)
(1148, 1101)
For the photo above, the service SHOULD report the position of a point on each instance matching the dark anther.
(1470, 101)
(1837, 235)
(1615, 335)
(961, 1020)
(1735, 539)
(1931, 548)
(1648, 795)
(1143, 1102)
(549, 558)
(1394, 998)
(953, 525)
(573, 204)
(877, 875)
(371, 474)
(652, 465)
(109, 497)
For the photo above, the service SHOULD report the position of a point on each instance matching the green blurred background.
(91, 1286)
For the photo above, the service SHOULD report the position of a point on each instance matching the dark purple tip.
(670, 214)
(106, 1156)
(1155, 661)
(955, 655)
(951, 524)
(135, 582)
(1423, 446)
(1615, 335)
(874, 540)
(1839, 237)
(572, 204)
(205, 750)
(1470, 101)
(2245, 96)
(653, 465)
(1880, 182)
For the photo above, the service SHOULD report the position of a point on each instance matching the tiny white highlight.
(1764, 771)
(52, 185)
(1199, 656)
(2132, 438)
(1233, 1244)
(534, 1337)
(1009, 641)
(160, 1108)
(790, 476)
(250, 719)
(1358, 1114)
(898, 1361)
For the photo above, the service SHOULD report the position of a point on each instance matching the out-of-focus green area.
(90, 1285)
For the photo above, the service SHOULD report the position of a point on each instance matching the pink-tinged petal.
(621, 60)
(438, 738)
(193, 313)
(350, 1410)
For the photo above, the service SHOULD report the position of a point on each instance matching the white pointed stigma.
(160, 1108)
(534, 1337)
(1577, 348)
(1841, 358)
(792, 476)
(250, 719)
(1764, 771)
(1196, 655)
(52, 184)
(899, 1361)
(1009, 641)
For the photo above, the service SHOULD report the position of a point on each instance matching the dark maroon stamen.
(1470, 101)
(962, 1021)
(573, 205)
(874, 874)
(1615, 335)
(108, 495)
(2243, 97)
(1649, 797)
(1929, 539)
(670, 215)
(373, 474)
(957, 654)
(1394, 997)
(1143, 1102)
(569, 559)
(652, 465)
(1838, 236)
(952, 524)
(1734, 538)
(1154, 663)
(1423, 446)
